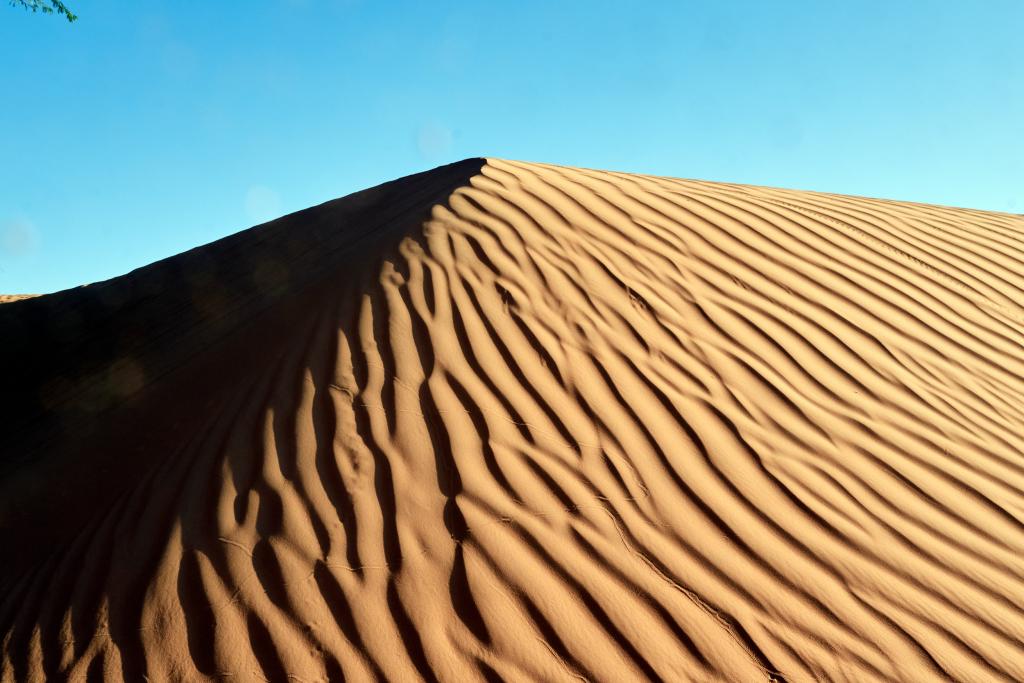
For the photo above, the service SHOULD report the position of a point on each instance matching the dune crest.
(522, 422)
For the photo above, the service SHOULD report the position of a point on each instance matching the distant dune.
(8, 298)
(505, 421)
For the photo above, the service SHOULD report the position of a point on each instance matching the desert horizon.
(531, 342)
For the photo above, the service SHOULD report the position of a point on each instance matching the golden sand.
(521, 422)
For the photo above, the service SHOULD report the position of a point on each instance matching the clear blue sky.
(149, 127)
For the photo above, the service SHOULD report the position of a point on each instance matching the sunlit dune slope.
(520, 422)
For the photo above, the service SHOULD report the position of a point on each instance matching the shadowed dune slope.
(516, 422)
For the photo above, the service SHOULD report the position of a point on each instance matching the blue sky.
(152, 126)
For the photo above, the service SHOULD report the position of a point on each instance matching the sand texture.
(517, 422)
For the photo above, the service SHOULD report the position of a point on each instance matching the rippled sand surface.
(505, 421)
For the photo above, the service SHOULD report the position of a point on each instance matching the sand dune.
(520, 422)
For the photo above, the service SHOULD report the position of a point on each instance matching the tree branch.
(46, 7)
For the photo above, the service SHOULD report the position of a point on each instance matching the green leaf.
(46, 7)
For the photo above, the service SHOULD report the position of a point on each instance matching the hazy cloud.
(262, 203)
(179, 60)
(433, 140)
(17, 237)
